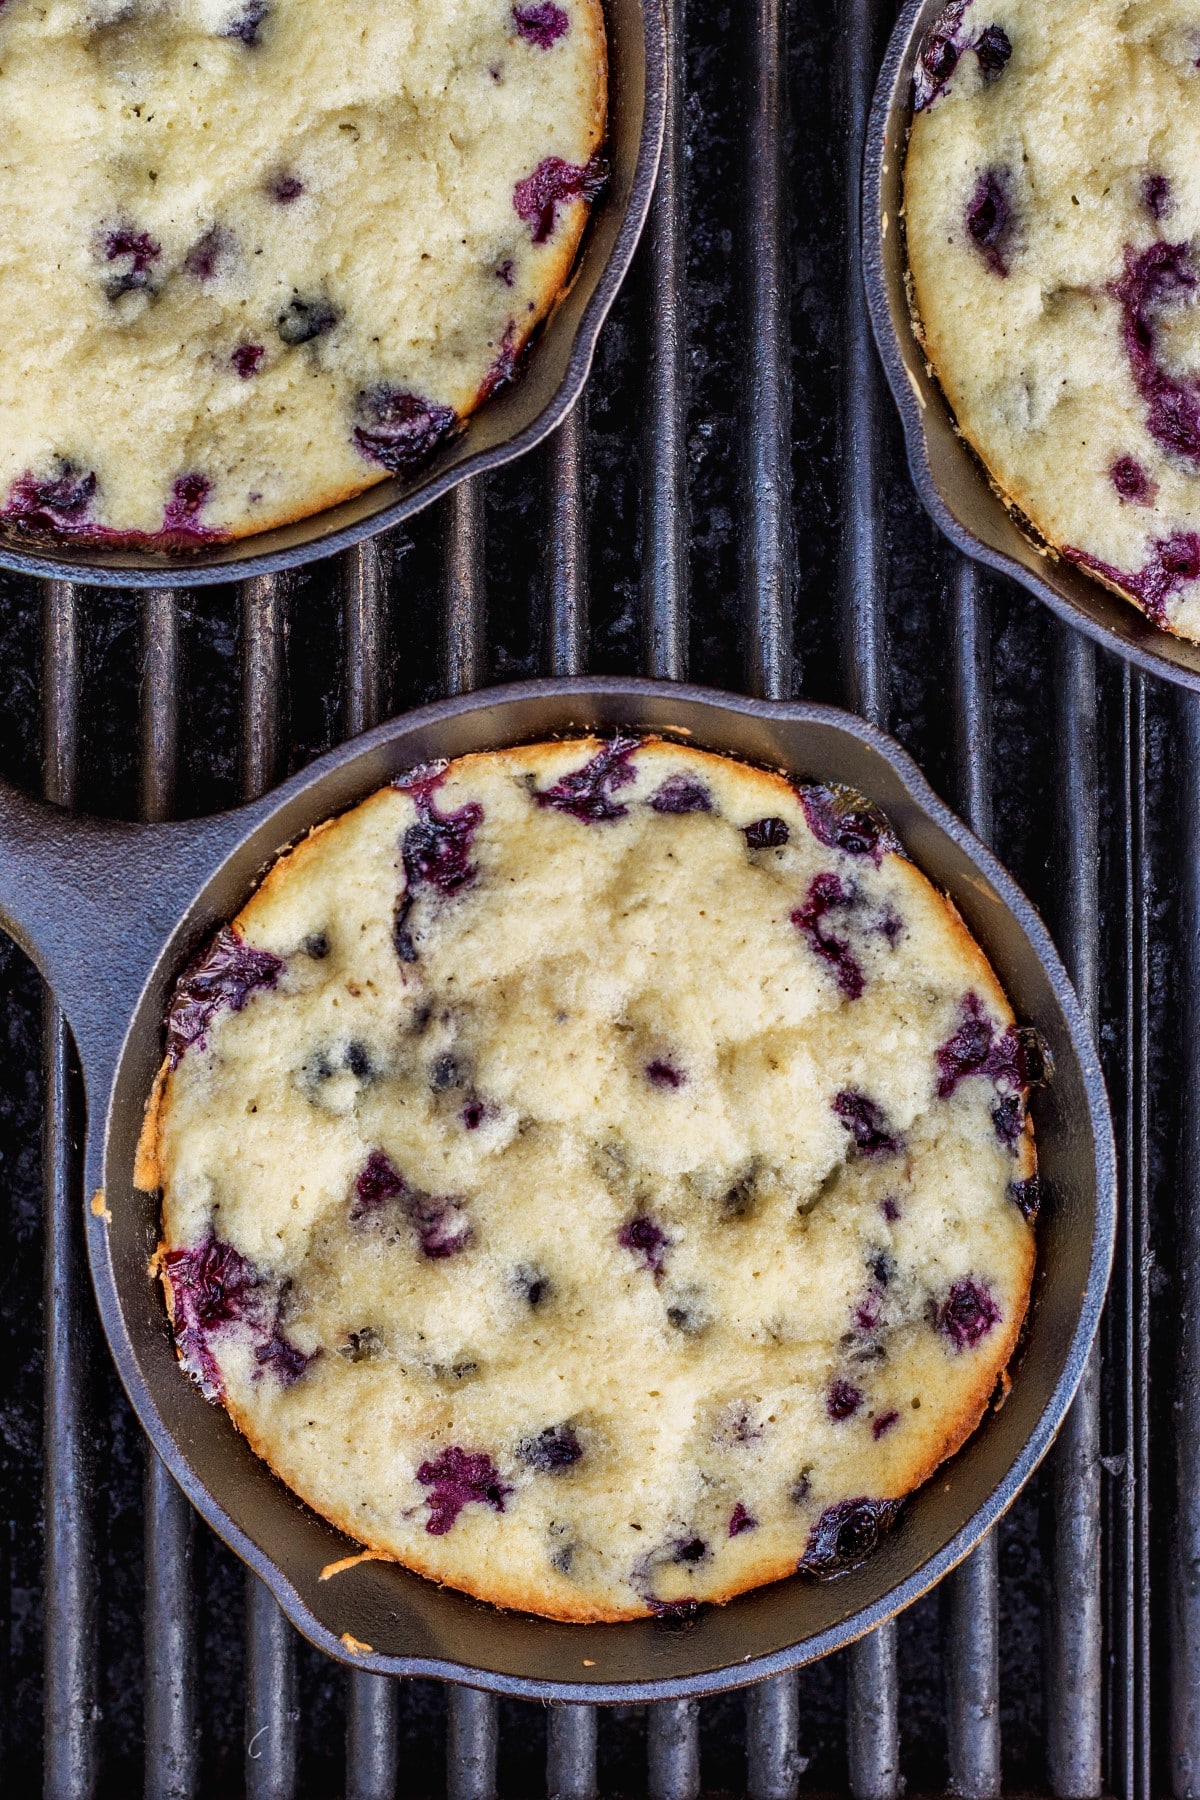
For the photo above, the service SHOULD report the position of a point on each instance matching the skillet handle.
(92, 902)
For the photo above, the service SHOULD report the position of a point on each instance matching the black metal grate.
(732, 505)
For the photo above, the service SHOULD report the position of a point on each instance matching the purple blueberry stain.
(1014, 1059)
(587, 793)
(61, 502)
(842, 1400)
(766, 834)
(505, 271)
(889, 1206)
(459, 1478)
(867, 1123)
(883, 1424)
(966, 1314)
(211, 255)
(304, 320)
(989, 219)
(843, 820)
(1156, 196)
(1173, 563)
(537, 198)
(247, 360)
(825, 893)
(868, 1308)
(138, 251)
(663, 1074)
(551, 1451)
(441, 1226)
(475, 1113)
(845, 1535)
(284, 186)
(647, 1241)
(503, 367)
(398, 429)
(182, 526)
(681, 794)
(436, 853)
(245, 26)
(227, 973)
(1026, 1196)
(541, 24)
(1131, 481)
(378, 1181)
(1156, 278)
(213, 1288)
(740, 1520)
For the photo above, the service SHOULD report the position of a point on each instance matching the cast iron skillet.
(110, 912)
(949, 476)
(550, 382)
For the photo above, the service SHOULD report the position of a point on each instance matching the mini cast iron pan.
(949, 477)
(548, 384)
(111, 912)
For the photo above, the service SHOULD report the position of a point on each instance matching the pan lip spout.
(433, 1632)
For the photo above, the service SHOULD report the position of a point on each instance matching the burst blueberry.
(1131, 481)
(989, 219)
(459, 1478)
(867, 1123)
(766, 834)
(843, 820)
(842, 1400)
(647, 1241)
(587, 793)
(550, 1451)
(967, 1314)
(681, 794)
(541, 24)
(845, 1535)
(555, 183)
(398, 429)
(60, 502)
(436, 853)
(227, 973)
(826, 893)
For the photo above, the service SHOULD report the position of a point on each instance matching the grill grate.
(732, 503)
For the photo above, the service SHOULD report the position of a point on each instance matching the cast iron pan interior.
(111, 912)
(550, 382)
(949, 477)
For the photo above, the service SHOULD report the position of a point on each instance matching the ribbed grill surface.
(730, 503)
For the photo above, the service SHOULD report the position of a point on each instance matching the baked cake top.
(1052, 207)
(597, 1175)
(257, 254)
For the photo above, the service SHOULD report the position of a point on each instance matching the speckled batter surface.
(255, 255)
(598, 1176)
(1052, 197)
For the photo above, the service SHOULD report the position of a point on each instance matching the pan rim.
(1144, 645)
(631, 694)
(223, 565)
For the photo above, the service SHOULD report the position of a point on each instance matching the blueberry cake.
(598, 1176)
(1052, 209)
(256, 255)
